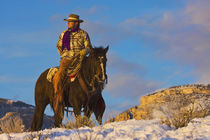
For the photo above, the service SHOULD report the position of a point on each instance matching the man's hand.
(83, 52)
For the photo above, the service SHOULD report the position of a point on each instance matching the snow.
(197, 129)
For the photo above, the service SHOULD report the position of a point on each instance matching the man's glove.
(83, 52)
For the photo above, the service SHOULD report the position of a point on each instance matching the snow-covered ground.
(198, 129)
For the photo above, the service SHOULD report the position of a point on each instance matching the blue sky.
(153, 44)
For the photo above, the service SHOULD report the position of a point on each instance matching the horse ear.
(106, 49)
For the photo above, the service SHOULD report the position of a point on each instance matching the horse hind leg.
(38, 117)
(58, 109)
(58, 117)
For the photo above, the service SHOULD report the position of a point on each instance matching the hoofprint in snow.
(126, 130)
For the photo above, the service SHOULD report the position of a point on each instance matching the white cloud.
(95, 10)
(181, 36)
(13, 79)
(198, 12)
(120, 64)
(129, 85)
(133, 22)
(189, 42)
(103, 34)
(127, 79)
(57, 18)
(12, 52)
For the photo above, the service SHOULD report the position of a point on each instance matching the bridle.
(100, 76)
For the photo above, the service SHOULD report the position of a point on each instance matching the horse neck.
(87, 69)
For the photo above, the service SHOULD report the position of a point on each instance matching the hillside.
(16, 116)
(168, 102)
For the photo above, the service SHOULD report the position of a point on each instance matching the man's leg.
(60, 74)
(58, 81)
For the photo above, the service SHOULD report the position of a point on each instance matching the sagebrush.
(181, 118)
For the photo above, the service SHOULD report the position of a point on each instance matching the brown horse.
(93, 70)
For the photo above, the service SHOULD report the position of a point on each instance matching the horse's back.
(43, 88)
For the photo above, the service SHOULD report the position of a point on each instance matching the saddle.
(72, 70)
(53, 70)
(72, 73)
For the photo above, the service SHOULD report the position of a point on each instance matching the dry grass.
(184, 116)
(80, 121)
(12, 123)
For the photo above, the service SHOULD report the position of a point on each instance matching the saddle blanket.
(52, 72)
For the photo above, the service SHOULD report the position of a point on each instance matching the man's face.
(72, 24)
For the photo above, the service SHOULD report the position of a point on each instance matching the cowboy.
(72, 42)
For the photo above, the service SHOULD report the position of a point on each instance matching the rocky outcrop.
(166, 102)
(16, 116)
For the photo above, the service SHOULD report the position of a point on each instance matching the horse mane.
(87, 66)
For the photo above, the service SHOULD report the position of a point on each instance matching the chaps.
(59, 81)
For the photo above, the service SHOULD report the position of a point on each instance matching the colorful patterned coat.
(78, 41)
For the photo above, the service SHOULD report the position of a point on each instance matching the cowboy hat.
(73, 17)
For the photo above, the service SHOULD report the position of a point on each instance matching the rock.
(16, 116)
(166, 102)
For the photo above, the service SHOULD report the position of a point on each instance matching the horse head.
(98, 55)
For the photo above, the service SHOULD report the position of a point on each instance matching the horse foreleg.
(99, 110)
(38, 117)
(77, 111)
